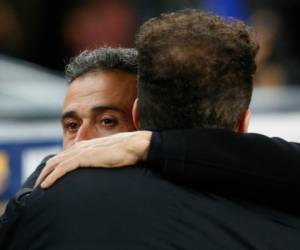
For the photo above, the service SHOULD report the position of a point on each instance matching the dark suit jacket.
(133, 208)
(211, 160)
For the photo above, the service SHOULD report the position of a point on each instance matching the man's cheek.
(67, 142)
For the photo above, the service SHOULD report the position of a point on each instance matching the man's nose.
(85, 132)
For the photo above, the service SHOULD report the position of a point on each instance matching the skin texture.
(98, 104)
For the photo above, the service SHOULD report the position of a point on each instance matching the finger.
(62, 169)
(56, 161)
(52, 163)
(46, 170)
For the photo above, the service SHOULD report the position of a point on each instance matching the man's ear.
(136, 115)
(244, 122)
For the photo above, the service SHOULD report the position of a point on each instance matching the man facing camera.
(99, 99)
(195, 71)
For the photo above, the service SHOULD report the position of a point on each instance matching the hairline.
(99, 70)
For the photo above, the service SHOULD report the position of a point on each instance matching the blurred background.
(38, 37)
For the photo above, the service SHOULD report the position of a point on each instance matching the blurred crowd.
(50, 32)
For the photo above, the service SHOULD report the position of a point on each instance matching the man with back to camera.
(133, 207)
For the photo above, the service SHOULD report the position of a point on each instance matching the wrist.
(145, 138)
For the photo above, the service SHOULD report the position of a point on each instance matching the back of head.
(104, 58)
(195, 70)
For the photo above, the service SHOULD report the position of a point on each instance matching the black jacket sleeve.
(250, 166)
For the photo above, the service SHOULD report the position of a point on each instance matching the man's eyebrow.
(103, 108)
(96, 109)
(69, 114)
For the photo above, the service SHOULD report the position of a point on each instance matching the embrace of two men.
(202, 184)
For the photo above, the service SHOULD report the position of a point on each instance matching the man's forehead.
(98, 91)
(104, 81)
(90, 106)
(89, 85)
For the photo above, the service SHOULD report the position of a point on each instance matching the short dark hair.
(195, 70)
(124, 59)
